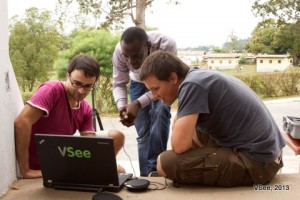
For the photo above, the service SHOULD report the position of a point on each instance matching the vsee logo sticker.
(71, 152)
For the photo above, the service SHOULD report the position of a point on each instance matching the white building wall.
(222, 63)
(10, 105)
(266, 66)
(186, 60)
(190, 59)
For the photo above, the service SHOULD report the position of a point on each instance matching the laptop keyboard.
(124, 177)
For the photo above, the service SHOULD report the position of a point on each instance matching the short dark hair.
(133, 34)
(84, 62)
(161, 64)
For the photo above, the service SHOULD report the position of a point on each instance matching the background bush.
(273, 84)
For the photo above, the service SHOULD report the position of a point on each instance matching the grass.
(278, 98)
(245, 69)
(250, 69)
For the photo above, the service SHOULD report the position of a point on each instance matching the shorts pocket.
(198, 169)
(269, 171)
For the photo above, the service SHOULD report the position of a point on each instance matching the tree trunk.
(140, 13)
(23, 85)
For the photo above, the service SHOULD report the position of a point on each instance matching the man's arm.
(86, 127)
(88, 134)
(23, 124)
(120, 78)
(183, 132)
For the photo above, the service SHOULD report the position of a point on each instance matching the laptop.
(79, 163)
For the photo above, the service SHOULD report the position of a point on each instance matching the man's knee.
(159, 168)
(118, 137)
(166, 163)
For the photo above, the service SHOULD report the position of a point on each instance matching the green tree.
(281, 10)
(272, 38)
(233, 45)
(218, 50)
(262, 38)
(34, 45)
(283, 38)
(287, 14)
(110, 12)
(99, 44)
(242, 60)
(287, 39)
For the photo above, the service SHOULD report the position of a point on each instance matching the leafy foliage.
(99, 44)
(270, 37)
(282, 38)
(273, 84)
(262, 38)
(110, 13)
(34, 45)
(234, 45)
(282, 10)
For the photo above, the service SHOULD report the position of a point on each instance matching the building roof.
(272, 56)
(222, 55)
(190, 53)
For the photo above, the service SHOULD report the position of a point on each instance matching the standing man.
(223, 134)
(59, 108)
(150, 117)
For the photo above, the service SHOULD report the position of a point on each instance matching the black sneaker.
(153, 174)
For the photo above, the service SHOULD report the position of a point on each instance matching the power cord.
(134, 174)
(153, 185)
(157, 186)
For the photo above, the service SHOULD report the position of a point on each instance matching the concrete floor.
(283, 187)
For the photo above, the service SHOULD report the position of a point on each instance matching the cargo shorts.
(217, 166)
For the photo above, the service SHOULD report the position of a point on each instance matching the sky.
(192, 23)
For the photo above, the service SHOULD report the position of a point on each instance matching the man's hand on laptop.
(32, 174)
